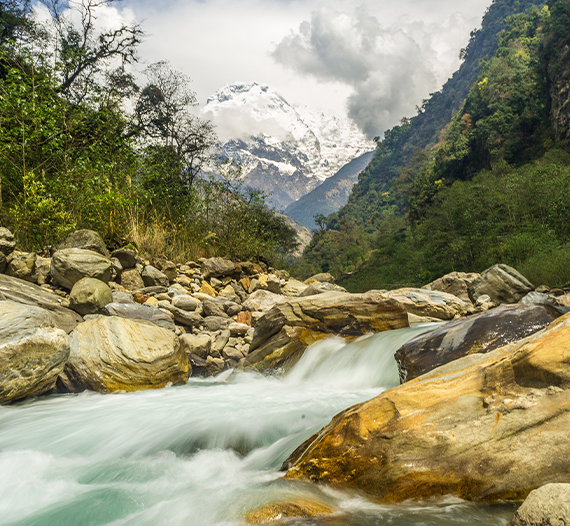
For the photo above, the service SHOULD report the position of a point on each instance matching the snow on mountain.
(283, 149)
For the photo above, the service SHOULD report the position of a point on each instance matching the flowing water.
(203, 453)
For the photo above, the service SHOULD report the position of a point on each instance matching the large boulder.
(89, 296)
(284, 332)
(488, 427)
(429, 303)
(262, 300)
(217, 267)
(134, 311)
(20, 291)
(545, 506)
(127, 257)
(455, 283)
(293, 288)
(70, 265)
(83, 239)
(479, 333)
(503, 284)
(22, 265)
(152, 277)
(33, 351)
(117, 354)
(7, 242)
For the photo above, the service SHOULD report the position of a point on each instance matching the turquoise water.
(200, 454)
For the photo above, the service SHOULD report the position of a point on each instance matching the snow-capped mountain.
(283, 149)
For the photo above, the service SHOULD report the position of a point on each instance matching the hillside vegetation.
(464, 185)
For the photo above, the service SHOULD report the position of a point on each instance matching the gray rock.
(152, 291)
(190, 319)
(126, 256)
(20, 291)
(198, 345)
(33, 351)
(231, 353)
(89, 296)
(321, 288)
(134, 311)
(211, 309)
(538, 298)
(217, 267)
(70, 265)
(456, 283)
(545, 506)
(123, 297)
(238, 329)
(262, 300)
(293, 288)
(22, 265)
(83, 239)
(131, 280)
(152, 277)
(7, 243)
(43, 270)
(503, 284)
(221, 340)
(185, 302)
(216, 323)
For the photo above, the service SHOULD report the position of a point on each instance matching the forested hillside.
(72, 155)
(481, 175)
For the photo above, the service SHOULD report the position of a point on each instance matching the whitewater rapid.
(202, 454)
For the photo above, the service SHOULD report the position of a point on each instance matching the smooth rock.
(198, 345)
(127, 257)
(321, 288)
(211, 309)
(131, 280)
(293, 288)
(20, 291)
(207, 290)
(134, 311)
(43, 270)
(22, 265)
(70, 265)
(238, 329)
(539, 298)
(262, 300)
(117, 354)
(7, 242)
(33, 351)
(487, 427)
(503, 284)
(564, 301)
(296, 508)
(122, 297)
(217, 267)
(323, 277)
(89, 296)
(152, 277)
(221, 340)
(480, 333)
(215, 323)
(545, 506)
(430, 303)
(455, 283)
(82, 239)
(185, 302)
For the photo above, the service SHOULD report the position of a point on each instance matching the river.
(201, 454)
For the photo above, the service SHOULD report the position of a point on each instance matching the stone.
(484, 303)
(548, 505)
(211, 309)
(43, 270)
(198, 345)
(33, 351)
(127, 257)
(215, 323)
(262, 300)
(185, 302)
(455, 283)
(296, 508)
(132, 280)
(217, 267)
(190, 319)
(564, 301)
(430, 303)
(123, 297)
(133, 311)
(245, 283)
(207, 289)
(320, 288)
(283, 274)
(285, 331)
(487, 427)
(90, 296)
(152, 277)
(270, 282)
(22, 265)
(323, 277)
(72, 264)
(152, 301)
(231, 353)
(20, 291)
(293, 288)
(221, 340)
(7, 242)
(244, 318)
(238, 329)
(539, 298)
(152, 290)
(199, 365)
(503, 284)
(480, 333)
(83, 239)
(168, 268)
(3, 263)
(118, 354)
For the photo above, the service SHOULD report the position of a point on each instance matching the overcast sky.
(375, 60)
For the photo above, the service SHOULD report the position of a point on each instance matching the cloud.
(390, 69)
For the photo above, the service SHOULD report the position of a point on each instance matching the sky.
(375, 60)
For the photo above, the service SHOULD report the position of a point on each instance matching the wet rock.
(89, 296)
(295, 508)
(221, 341)
(429, 303)
(217, 267)
(116, 354)
(503, 284)
(152, 277)
(70, 265)
(134, 311)
(487, 427)
(545, 506)
(455, 283)
(33, 351)
(479, 333)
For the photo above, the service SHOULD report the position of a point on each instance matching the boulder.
(83, 239)
(503, 284)
(217, 267)
(429, 303)
(539, 298)
(323, 277)
(211, 309)
(564, 300)
(122, 297)
(152, 277)
(7, 242)
(22, 265)
(455, 283)
(198, 345)
(33, 351)
(545, 506)
(70, 265)
(479, 333)
(168, 268)
(131, 280)
(293, 288)
(295, 508)
(262, 300)
(117, 354)
(127, 257)
(134, 311)
(43, 270)
(20, 291)
(89, 296)
(487, 427)
(284, 332)
(321, 288)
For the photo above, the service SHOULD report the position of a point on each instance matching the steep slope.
(330, 195)
(283, 149)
